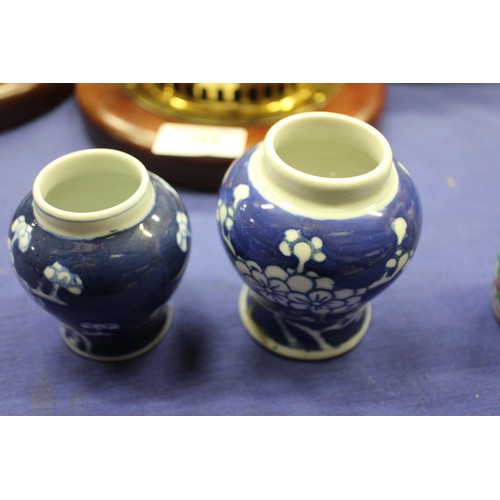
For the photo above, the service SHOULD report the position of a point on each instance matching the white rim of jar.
(93, 223)
(326, 188)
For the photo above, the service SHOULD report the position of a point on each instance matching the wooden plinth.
(114, 120)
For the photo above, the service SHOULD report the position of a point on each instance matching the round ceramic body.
(317, 219)
(101, 244)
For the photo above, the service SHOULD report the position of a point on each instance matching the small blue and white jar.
(101, 244)
(318, 219)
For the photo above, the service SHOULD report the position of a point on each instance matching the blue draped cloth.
(433, 347)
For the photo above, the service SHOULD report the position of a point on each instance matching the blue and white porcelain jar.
(101, 244)
(317, 219)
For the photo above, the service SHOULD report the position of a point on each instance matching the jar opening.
(326, 148)
(81, 183)
(92, 193)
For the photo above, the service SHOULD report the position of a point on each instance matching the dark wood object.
(20, 102)
(114, 120)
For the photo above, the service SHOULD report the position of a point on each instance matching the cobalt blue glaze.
(317, 305)
(110, 293)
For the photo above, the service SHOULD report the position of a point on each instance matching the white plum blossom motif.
(295, 244)
(301, 292)
(225, 213)
(61, 277)
(225, 216)
(182, 231)
(22, 234)
(270, 283)
(395, 264)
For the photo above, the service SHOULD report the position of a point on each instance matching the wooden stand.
(20, 102)
(114, 120)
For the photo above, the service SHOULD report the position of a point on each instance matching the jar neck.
(92, 193)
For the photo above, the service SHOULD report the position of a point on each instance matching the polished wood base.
(20, 102)
(114, 120)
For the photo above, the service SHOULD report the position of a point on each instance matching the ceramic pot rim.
(92, 224)
(63, 162)
(369, 181)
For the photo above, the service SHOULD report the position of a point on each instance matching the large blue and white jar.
(318, 219)
(101, 244)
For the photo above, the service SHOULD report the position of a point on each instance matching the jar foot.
(110, 342)
(302, 337)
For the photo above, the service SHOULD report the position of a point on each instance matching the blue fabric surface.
(433, 347)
